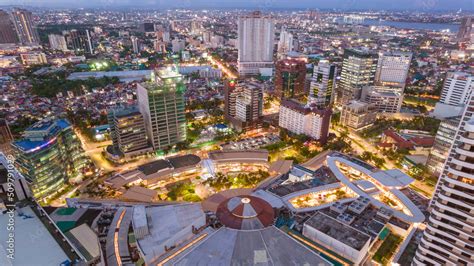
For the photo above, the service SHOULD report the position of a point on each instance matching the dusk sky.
(422, 5)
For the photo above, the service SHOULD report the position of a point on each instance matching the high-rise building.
(161, 102)
(135, 44)
(443, 141)
(392, 69)
(128, 132)
(7, 29)
(243, 104)
(57, 42)
(448, 237)
(358, 70)
(80, 40)
(457, 90)
(356, 114)
(323, 84)
(24, 26)
(309, 121)
(290, 76)
(49, 155)
(285, 43)
(255, 43)
(5, 137)
(465, 30)
(385, 99)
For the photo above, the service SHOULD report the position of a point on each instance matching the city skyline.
(143, 134)
(419, 5)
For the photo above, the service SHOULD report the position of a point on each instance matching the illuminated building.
(392, 69)
(243, 104)
(358, 70)
(161, 102)
(255, 43)
(298, 119)
(447, 239)
(25, 28)
(290, 76)
(127, 129)
(385, 99)
(358, 114)
(457, 89)
(49, 155)
(323, 84)
(33, 59)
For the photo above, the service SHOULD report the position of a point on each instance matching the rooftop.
(268, 246)
(337, 230)
(41, 134)
(34, 244)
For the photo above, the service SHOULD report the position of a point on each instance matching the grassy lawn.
(387, 249)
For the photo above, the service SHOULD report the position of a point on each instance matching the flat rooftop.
(268, 246)
(337, 230)
(322, 176)
(168, 225)
(235, 155)
(34, 245)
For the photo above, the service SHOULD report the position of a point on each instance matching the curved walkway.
(416, 215)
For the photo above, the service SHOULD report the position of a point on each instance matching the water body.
(413, 25)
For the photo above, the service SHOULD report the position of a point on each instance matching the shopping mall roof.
(393, 178)
(184, 160)
(34, 245)
(239, 156)
(167, 226)
(338, 230)
(137, 193)
(269, 246)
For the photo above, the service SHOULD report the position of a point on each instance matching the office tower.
(285, 43)
(49, 155)
(290, 76)
(448, 237)
(358, 70)
(457, 90)
(161, 102)
(465, 30)
(135, 44)
(57, 42)
(206, 37)
(443, 141)
(357, 114)
(255, 43)
(323, 84)
(196, 27)
(243, 104)
(177, 45)
(128, 132)
(309, 121)
(5, 137)
(7, 29)
(385, 99)
(80, 41)
(24, 26)
(392, 69)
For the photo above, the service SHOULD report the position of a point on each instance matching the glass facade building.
(161, 102)
(49, 155)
